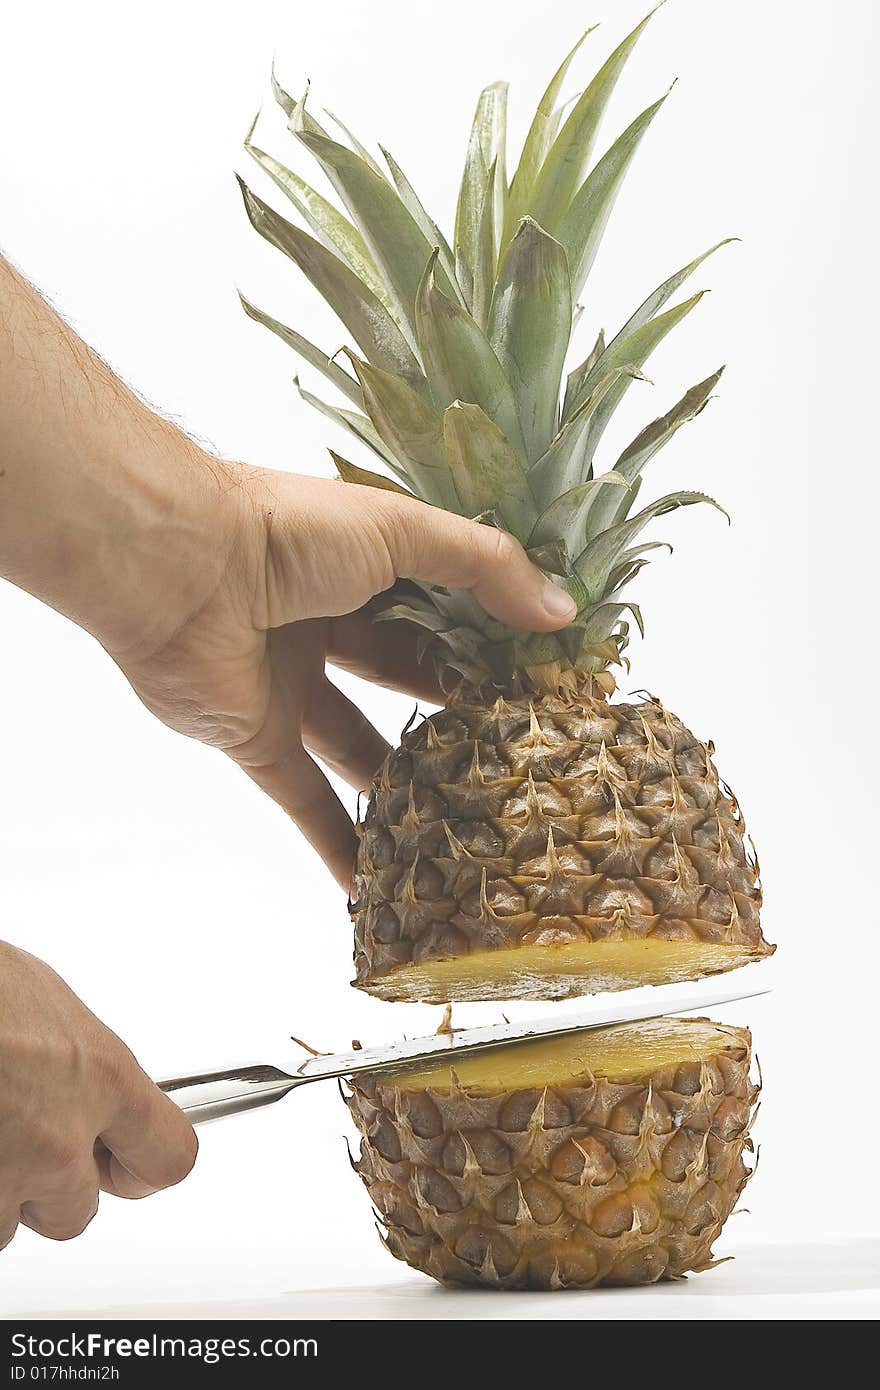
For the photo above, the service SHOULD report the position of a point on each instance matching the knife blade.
(212, 1095)
(461, 1042)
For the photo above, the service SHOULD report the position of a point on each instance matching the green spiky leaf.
(355, 423)
(646, 444)
(568, 158)
(597, 559)
(663, 293)
(461, 347)
(566, 462)
(328, 224)
(632, 351)
(356, 145)
(581, 381)
(365, 317)
(565, 518)
(621, 575)
(423, 219)
(552, 557)
(460, 362)
(350, 473)
(660, 431)
(283, 98)
(603, 616)
(484, 168)
(307, 351)
(411, 430)
(577, 378)
(540, 137)
(486, 257)
(397, 245)
(617, 506)
(582, 227)
(486, 469)
(529, 328)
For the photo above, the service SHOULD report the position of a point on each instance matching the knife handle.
(211, 1095)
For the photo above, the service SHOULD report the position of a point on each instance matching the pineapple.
(536, 838)
(609, 1157)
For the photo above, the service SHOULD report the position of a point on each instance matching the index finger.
(384, 653)
(149, 1144)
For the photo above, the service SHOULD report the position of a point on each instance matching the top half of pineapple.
(536, 838)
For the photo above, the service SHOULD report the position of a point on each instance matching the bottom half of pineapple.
(608, 1157)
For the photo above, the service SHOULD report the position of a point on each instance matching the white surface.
(175, 899)
(786, 1282)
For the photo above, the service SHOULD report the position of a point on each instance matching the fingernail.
(557, 602)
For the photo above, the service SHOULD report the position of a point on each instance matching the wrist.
(107, 511)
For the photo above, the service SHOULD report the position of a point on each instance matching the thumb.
(439, 547)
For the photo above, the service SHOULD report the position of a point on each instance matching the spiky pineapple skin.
(602, 1182)
(542, 820)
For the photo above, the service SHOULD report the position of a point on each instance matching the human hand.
(223, 591)
(246, 670)
(77, 1114)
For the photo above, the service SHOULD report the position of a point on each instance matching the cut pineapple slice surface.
(624, 1052)
(560, 972)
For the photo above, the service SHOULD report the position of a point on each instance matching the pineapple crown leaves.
(456, 375)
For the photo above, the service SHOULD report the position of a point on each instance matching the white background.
(180, 903)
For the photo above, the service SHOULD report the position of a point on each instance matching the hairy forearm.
(98, 494)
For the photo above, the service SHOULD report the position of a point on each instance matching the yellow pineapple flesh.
(557, 972)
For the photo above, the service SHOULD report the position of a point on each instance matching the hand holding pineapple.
(222, 590)
(247, 673)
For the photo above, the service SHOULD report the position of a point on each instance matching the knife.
(211, 1095)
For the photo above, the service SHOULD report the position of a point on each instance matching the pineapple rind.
(594, 1178)
(550, 823)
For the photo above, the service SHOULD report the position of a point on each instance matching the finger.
(336, 731)
(301, 789)
(115, 1178)
(9, 1222)
(440, 548)
(152, 1145)
(277, 761)
(384, 653)
(66, 1215)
